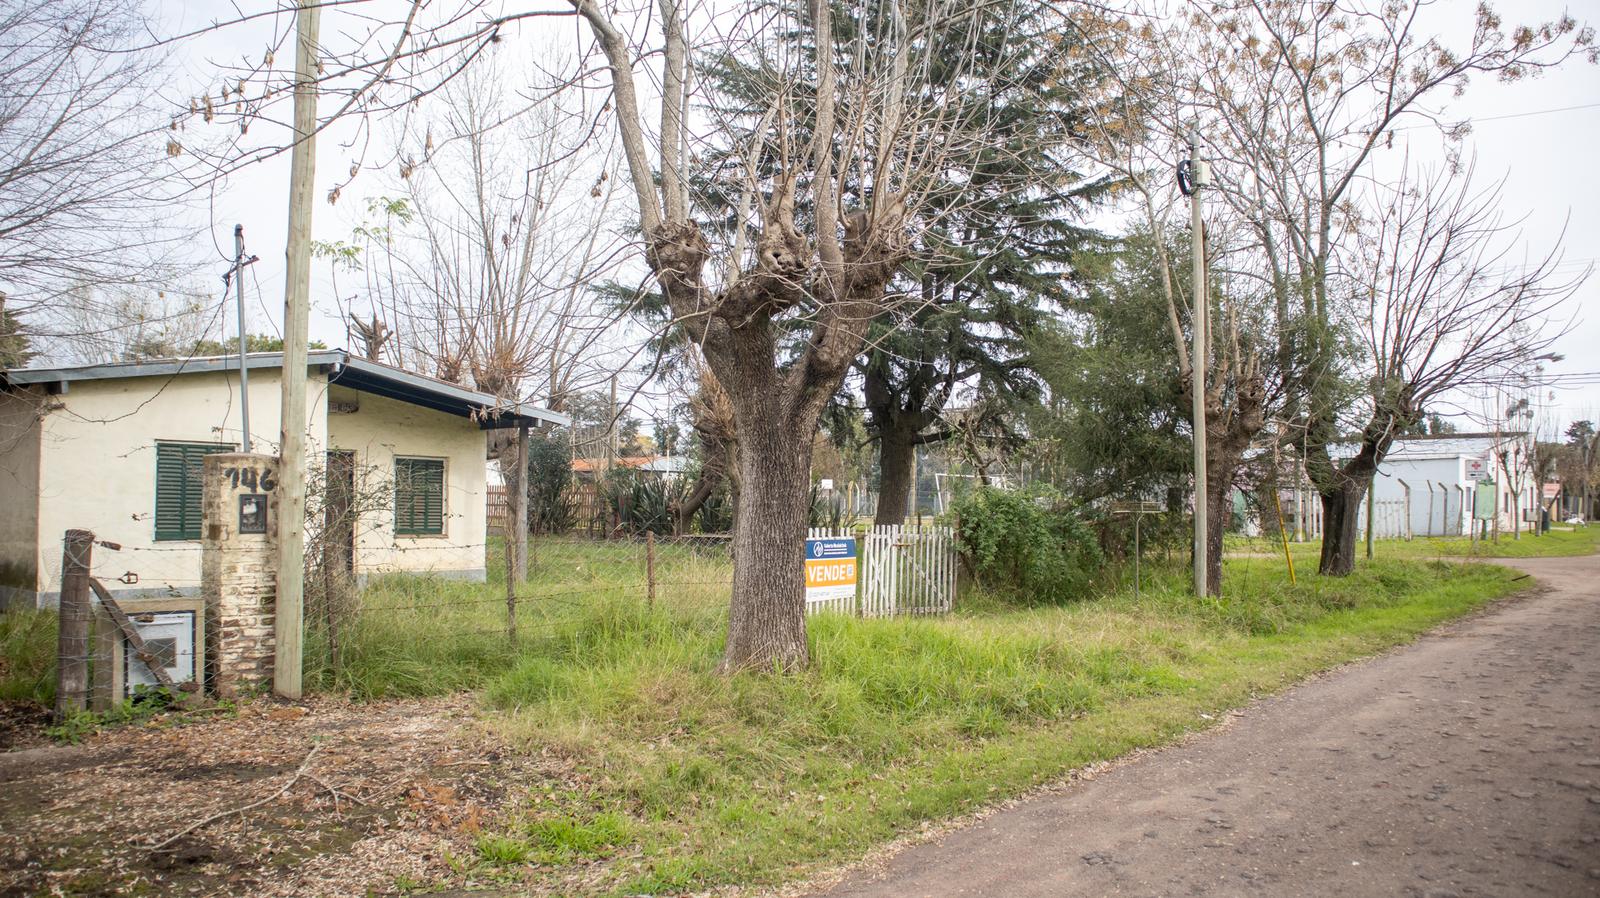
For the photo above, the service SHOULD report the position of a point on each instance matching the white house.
(115, 449)
(1432, 475)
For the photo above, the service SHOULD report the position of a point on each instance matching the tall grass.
(28, 655)
(738, 779)
(415, 635)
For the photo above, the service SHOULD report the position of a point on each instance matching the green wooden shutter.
(179, 469)
(418, 496)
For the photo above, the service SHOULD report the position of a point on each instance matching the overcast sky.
(1539, 134)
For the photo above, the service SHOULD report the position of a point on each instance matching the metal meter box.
(172, 628)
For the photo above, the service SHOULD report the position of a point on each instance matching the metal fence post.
(72, 639)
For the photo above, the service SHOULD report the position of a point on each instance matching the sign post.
(830, 569)
(1138, 509)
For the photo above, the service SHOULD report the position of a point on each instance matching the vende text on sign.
(830, 569)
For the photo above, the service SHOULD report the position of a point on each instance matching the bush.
(549, 480)
(1028, 544)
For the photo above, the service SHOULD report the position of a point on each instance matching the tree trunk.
(1341, 508)
(766, 622)
(896, 449)
(1219, 512)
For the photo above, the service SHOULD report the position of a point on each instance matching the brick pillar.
(238, 569)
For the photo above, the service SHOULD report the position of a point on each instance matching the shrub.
(1030, 544)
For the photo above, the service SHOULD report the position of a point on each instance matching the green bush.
(549, 480)
(1027, 544)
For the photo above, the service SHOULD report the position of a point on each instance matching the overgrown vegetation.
(28, 655)
(698, 779)
(1030, 545)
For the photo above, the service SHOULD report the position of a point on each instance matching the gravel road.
(1464, 764)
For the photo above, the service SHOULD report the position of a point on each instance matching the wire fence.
(460, 594)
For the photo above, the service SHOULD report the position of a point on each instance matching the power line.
(1496, 118)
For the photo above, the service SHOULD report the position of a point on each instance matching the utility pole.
(1370, 486)
(244, 370)
(1197, 177)
(288, 619)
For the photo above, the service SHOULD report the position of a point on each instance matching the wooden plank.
(136, 641)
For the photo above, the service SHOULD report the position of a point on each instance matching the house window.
(419, 496)
(178, 477)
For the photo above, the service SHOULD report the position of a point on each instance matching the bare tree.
(1442, 309)
(83, 206)
(835, 157)
(1300, 100)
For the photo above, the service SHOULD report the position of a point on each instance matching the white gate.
(908, 570)
(900, 570)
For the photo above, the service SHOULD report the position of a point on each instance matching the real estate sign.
(830, 568)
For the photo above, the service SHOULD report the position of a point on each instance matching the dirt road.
(1466, 764)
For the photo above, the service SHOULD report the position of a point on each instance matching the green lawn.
(1560, 541)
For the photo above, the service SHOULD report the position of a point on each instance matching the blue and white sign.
(830, 569)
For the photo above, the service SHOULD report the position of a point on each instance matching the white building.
(115, 449)
(1432, 477)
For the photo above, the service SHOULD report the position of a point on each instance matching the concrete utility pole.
(244, 371)
(288, 619)
(1199, 176)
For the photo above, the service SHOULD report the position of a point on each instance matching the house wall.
(379, 429)
(97, 467)
(19, 491)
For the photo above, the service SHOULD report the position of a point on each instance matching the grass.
(1560, 541)
(28, 656)
(700, 780)
(684, 779)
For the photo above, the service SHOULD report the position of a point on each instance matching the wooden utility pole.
(288, 619)
(72, 637)
(517, 507)
(1199, 314)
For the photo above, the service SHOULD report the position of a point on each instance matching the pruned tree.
(1300, 101)
(836, 158)
(1442, 311)
(1141, 129)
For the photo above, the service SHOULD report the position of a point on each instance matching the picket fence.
(901, 569)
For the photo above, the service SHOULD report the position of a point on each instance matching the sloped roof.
(343, 368)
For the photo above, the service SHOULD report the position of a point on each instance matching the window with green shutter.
(178, 477)
(418, 496)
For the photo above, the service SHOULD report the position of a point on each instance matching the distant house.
(115, 449)
(1437, 470)
(668, 466)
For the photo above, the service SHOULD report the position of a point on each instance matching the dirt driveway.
(1465, 764)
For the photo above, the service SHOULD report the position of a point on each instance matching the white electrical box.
(169, 635)
(173, 629)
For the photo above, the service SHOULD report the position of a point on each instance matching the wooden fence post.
(511, 596)
(72, 639)
(650, 568)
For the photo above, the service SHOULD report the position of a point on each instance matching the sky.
(1538, 134)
